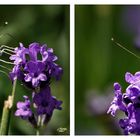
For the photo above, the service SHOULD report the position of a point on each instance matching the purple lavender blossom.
(34, 49)
(117, 102)
(19, 56)
(16, 73)
(129, 103)
(47, 54)
(35, 71)
(23, 109)
(55, 71)
(45, 103)
(131, 123)
(49, 59)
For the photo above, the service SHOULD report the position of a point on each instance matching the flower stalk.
(6, 117)
(38, 125)
(5, 122)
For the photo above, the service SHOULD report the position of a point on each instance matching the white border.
(71, 2)
(72, 71)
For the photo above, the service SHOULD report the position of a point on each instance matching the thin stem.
(13, 90)
(37, 131)
(13, 97)
(7, 111)
(5, 119)
(38, 125)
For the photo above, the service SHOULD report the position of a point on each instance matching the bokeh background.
(100, 63)
(47, 24)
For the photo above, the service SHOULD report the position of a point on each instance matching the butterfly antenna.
(130, 52)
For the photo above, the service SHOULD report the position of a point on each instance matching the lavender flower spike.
(34, 71)
(129, 103)
(117, 101)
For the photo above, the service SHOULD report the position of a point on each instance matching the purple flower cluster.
(31, 69)
(35, 67)
(129, 103)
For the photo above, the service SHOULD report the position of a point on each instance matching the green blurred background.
(47, 24)
(100, 63)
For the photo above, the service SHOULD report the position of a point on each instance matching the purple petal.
(129, 77)
(42, 77)
(28, 78)
(34, 48)
(35, 82)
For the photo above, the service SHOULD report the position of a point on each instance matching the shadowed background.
(100, 63)
(43, 24)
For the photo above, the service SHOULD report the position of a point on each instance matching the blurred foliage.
(100, 63)
(44, 24)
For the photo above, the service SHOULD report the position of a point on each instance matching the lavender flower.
(131, 124)
(45, 102)
(117, 102)
(34, 49)
(19, 56)
(47, 54)
(36, 73)
(129, 103)
(16, 73)
(23, 109)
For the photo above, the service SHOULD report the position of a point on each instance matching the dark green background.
(43, 24)
(100, 63)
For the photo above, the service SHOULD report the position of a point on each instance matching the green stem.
(7, 112)
(13, 90)
(5, 119)
(37, 131)
(38, 125)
